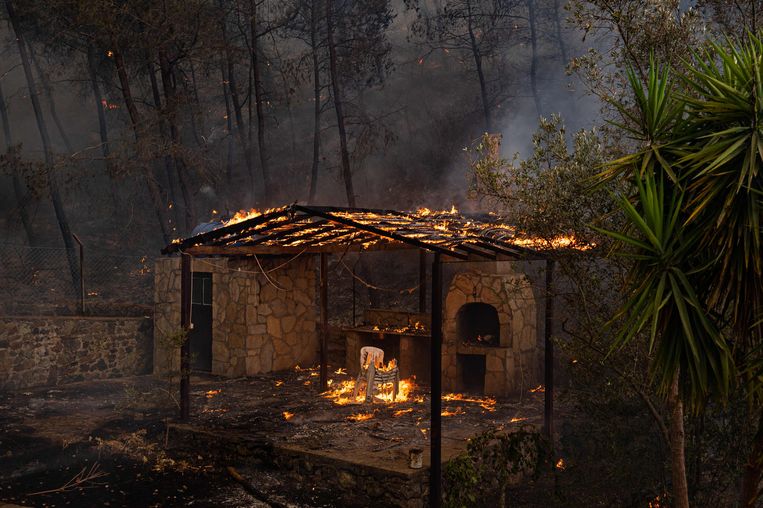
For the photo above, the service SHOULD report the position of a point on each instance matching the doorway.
(200, 335)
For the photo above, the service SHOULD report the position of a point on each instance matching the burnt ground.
(121, 433)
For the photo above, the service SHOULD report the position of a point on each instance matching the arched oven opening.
(477, 325)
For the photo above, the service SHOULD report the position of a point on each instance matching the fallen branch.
(78, 480)
(251, 489)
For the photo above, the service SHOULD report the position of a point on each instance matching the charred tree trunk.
(169, 167)
(236, 101)
(477, 55)
(99, 104)
(558, 33)
(258, 102)
(55, 196)
(197, 119)
(48, 91)
(753, 470)
(534, 59)
(337, 93)
(170, 94)
(153, 187)
(18, 187)
(228, 124)
(678, 448)
(317, 101)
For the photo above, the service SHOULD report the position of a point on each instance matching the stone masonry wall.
(260, 323)
(49, 350)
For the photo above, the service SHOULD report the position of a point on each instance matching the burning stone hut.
(252, 293)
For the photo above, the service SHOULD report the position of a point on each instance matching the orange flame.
(360, 417)
(212, 393)
(449, 412)
(341, 393)
(287, 415)
(487, 403)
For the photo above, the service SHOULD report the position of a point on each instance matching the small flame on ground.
(360, 417)
(515, 420)
(279, 382)
(341, 393)
(538, 389)
(401, 412)
(212, 393)
(307, 383)
(218, 410)
(487, 403)
(449, 412)
(560, 465)
(287, 415)
(340, 370)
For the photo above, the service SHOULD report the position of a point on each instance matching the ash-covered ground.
(115, 442)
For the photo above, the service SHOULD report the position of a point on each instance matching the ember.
(413, 328)
(515, 420)
(360, 417)
(538, 389)
(212, 393)
(560, 465)
(449, 412)
(287, 415)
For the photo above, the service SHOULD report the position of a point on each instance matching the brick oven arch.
(512, 362)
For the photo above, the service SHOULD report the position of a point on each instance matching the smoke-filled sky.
(411, 102)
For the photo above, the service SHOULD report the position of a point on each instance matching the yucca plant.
(722, 173)
(667, 294)
(694, 229)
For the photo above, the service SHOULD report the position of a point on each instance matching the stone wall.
(260, 323)
(50, 350)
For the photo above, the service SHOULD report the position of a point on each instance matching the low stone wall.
(352, 484)
(51, 350)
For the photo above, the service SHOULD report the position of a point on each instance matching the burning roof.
(297, 228)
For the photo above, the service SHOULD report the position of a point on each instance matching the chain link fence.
(43, 280)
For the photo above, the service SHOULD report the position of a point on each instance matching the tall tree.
(481, 30)
(18, 187)
(359, 58)
(52, 175)
(336, 94)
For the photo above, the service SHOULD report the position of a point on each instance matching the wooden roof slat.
(380, 232)
(289, 232)
(301, 228)
(223, 231)
(280, 228)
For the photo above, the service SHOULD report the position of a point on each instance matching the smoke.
(407, 135)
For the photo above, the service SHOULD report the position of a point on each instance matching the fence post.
(81, 275)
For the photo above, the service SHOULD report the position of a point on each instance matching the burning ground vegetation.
(116, 443)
